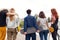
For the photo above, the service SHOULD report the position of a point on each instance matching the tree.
(21, 23)
(49, 20)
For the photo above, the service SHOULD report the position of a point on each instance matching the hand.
(38, 31)
(25, 33)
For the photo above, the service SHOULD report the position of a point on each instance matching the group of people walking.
(41, 25)
(8, 20)
(32, 25)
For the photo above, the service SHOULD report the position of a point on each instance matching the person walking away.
(43, 26)
(29, 22)
(12, 24)
(3, 15)
(54, 22)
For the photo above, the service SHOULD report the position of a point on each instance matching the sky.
(35, 5)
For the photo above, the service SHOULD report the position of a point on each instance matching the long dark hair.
(42, 15)
(4, 11)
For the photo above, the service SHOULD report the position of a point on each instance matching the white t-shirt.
(42, 23)
(12, 24)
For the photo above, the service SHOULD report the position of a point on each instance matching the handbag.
(29, 30)
(18, 28)
(51, 29)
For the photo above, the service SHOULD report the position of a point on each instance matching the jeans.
(32, 35)
(43, 34)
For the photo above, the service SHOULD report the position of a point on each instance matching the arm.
(35, 24)
(25, 25)
(8, 14)
(18, 21)
(38, 22)
(56, 21)
(47, 24)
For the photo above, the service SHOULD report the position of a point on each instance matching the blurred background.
(35, 5)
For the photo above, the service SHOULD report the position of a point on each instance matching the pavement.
(22, 37)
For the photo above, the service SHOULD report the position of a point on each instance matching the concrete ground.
(22, 37)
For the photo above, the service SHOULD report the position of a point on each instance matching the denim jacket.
(29, 21)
